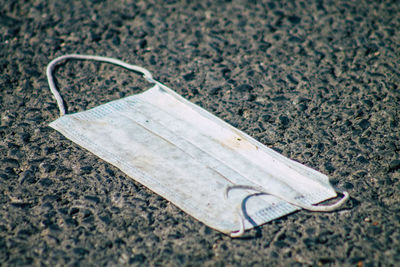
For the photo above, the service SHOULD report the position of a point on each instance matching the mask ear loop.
(53, 88)
(291, 201)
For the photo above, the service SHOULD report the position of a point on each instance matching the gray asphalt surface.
(317, 81)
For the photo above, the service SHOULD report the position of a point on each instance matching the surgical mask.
(206, 167)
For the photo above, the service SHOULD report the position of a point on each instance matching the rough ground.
(318, 82)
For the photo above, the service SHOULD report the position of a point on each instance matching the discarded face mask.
(206, 167)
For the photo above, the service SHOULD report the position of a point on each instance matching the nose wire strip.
(239, 209)
(53, 88)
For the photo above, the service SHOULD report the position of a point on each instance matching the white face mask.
(192, 158)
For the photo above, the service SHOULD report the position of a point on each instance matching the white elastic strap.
(49, 71)
(291, 201)
(241, 230)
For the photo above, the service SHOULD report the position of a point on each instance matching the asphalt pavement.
(317, 81)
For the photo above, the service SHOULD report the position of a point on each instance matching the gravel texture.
(316, 81)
